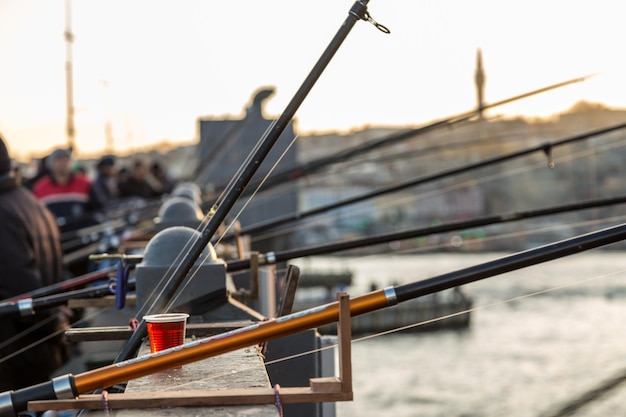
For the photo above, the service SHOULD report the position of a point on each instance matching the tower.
(479, 79)
(69, 88)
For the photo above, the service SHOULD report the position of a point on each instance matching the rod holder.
(327, 389)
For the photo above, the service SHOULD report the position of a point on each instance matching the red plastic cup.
(166, 330)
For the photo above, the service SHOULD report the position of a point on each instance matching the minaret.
(479, 79)
(69, 87)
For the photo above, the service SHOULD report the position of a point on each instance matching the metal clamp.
(359, 10)
(25, 306)
(390, 294)
(63, 387)
(6, 404)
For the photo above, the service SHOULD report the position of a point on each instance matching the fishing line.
(396, 202)
(617, 219)
(473, 181)
(390, 156)
(410, 326)
(496, 176)
(180, 291)
(407, 134)
(236, 217)
(431, 247)
(27, 331)
(245, 205)
(233, 178)
(570, 157)
(346, 264)
(176, 265)
(43, 339)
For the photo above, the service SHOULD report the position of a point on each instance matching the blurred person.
(104, 187)
(137, 184)
(68, 195)
(30, 258)
(42, 171)
(162, 176)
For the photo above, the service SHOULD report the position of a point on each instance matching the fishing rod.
(64, 285)
(546, 148)
(30, 306)
(310, 167)
(114, 218)
(70, 386)
(276, 257)
(219, 212)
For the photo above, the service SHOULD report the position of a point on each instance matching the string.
(567, 157)
(44, 338)
(180, 291)
(407, 327)
(167, 276)
(441, 190)
(105, 403)
(457, 186)
(411, 251)
(27, 331)
(251, 197)
(278, 402)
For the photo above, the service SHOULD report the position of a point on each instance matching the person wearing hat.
(104, 187)
(30, 258)
(67, 194)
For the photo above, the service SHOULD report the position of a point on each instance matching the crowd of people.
(34, 213)
(73, 197)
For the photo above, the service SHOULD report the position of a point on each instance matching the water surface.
(519, 358)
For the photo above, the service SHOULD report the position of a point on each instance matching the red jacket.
(69, 201)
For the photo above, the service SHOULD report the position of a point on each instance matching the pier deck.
(243, 368)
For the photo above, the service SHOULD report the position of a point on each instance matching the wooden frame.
(328, 389)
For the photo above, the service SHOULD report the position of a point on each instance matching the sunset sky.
(152, 68)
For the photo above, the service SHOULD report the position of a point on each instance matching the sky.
(151, 69)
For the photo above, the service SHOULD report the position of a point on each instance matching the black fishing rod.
(218, 152)
(311, 167)
(64, 285)
(30, 306)
(70, 386)
(127, 211)
(221, 210)
(546, 148)
(276, 257)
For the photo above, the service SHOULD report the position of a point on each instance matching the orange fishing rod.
(70, 386)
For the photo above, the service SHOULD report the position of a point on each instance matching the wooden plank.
(344, 337)
(229, 380)
(241, 369)
(328, 384)
(289, 294)
(192, 398)
(91, 334)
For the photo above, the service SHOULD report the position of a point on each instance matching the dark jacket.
(104, 190)
(30, 257)
(134, 188)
